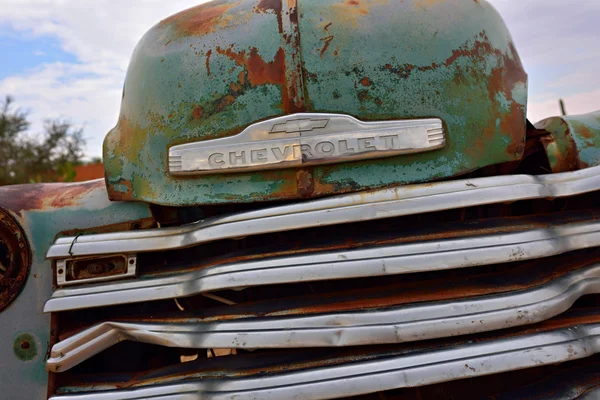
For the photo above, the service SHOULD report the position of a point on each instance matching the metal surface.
(410, 322)
(365, 206)
(306, 139)
(366, 372)
(65, 274)
(574, 141)
(418, 256)
(45, 211)
(15, 259)
(224, 65)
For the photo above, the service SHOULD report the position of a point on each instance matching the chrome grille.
(383, 290)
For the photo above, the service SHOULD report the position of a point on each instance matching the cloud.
(102, 35)
(557, 42)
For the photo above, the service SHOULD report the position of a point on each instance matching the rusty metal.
(224, 65)
(90, 270)
(573, 142)
(525, 294)
(364, 206)
(344, 372)
(15, 259)
(473, 249)
(44, 212)
(21, 198)
(25, 347)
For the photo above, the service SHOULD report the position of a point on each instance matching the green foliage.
(26, 158)
(67, 172)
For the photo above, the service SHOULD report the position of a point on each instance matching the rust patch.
(197, 112)
(305, 182)
(15, 259)
(585, 132)
(208, 54)
(271, 7)
(118, 195)
(199, 20)
(363, 96)
(144, 223)
(366, 81)
(259, 71)
(326, 43)
(481, 47)
(565, 155)
(294, 95)
(502, 79)
(18, 198)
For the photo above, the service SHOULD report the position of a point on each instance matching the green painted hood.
(212, 70)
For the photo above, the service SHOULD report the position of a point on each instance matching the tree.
(47, 156)
(13, 123)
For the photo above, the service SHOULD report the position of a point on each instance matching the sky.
(68, 58)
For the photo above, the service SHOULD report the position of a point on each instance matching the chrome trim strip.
(364, 206)
(306, 139)
(419, 321)
(374, 261)
(469, 359)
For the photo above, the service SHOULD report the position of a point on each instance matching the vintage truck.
(314, 199)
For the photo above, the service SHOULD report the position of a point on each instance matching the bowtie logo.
(300, 125)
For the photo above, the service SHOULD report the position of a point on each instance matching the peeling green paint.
(198, 76)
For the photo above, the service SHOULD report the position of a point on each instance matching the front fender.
(35, 216)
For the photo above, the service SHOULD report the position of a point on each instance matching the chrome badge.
(306, 139)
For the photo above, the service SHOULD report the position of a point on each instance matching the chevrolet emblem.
(306, 139)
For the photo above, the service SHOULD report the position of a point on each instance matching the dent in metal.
(418, 321)
(371, 372)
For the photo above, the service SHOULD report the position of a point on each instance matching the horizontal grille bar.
(366, 370)
(459, 252)
(365, 206)
(411, 322)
